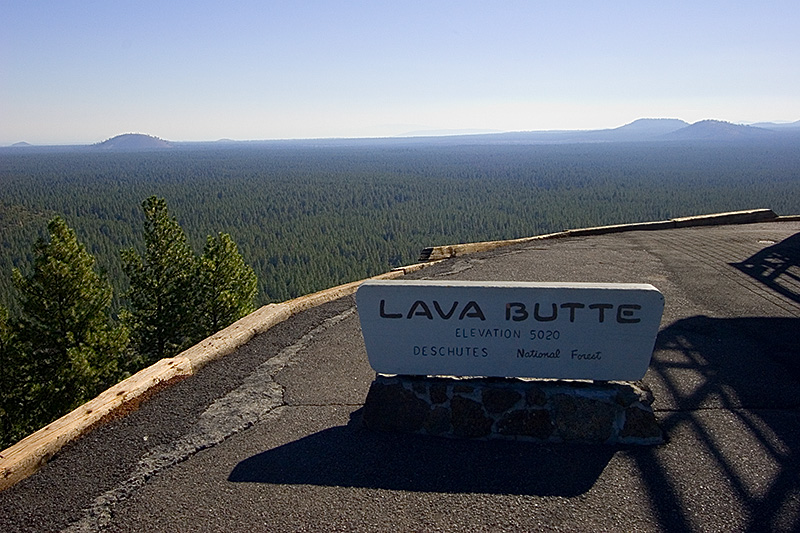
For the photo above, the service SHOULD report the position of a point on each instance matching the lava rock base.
(517, 409)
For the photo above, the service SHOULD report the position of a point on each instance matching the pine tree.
(162, 294)
(69, 351)
(10, 396)
(227, 286)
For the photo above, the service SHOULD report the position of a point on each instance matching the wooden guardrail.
(436, 253)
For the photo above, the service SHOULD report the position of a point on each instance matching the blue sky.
(84, 71)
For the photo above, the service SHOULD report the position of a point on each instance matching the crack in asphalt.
(257, 396)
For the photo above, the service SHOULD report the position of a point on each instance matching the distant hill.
(777, 125)
(717, 130)
(133, 141)
(651, 127)
(21, 144)
(643, 129)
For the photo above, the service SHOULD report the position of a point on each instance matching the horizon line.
(431, 133)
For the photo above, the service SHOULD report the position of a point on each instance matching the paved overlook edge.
(24, 458)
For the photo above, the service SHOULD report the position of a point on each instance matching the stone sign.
(594, 331)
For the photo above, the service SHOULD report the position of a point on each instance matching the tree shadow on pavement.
(728, 397)
(777, 267)
(353, 456)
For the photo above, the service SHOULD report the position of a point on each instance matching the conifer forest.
(211, 231)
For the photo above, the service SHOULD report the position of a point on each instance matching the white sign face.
(510, 329)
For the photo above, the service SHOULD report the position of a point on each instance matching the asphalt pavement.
(269, 438)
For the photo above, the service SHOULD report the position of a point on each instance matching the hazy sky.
(83, 71)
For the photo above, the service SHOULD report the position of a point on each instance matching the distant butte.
(717, 130)
(134, 141)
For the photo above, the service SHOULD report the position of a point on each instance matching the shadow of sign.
(728, 392)
(727, 396)
(352, 456)
(777, 267)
